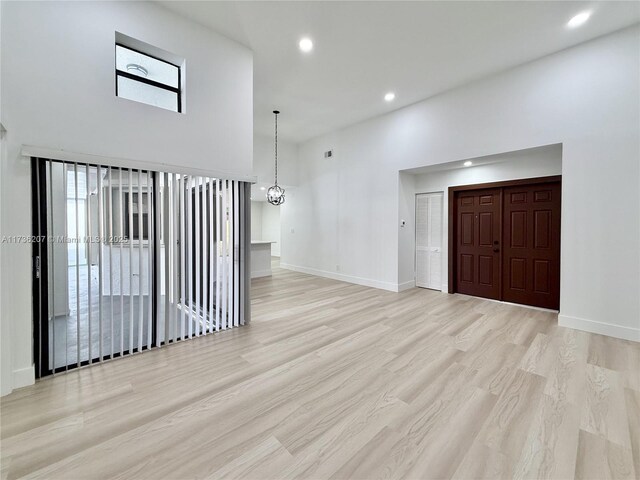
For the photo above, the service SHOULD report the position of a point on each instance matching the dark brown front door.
(531, 250)
(505, 241)
(478, 243)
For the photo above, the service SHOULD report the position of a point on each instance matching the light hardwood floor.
(333, 380)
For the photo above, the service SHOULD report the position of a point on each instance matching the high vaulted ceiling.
(364, 49)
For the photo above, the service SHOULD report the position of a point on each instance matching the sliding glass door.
(131, 259)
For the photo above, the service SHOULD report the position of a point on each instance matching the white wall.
(58, 92)
(347, 209)
(265, 224)
(263, 162)
(256, 220)
(538, 162)
(271, 226)
(6, 366)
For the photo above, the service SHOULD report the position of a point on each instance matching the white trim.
(592, 326)
(76, 157)
(6, 384)
(24, 377)
(391, 287)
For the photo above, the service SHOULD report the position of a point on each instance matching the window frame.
(137, 197)
(177, 90)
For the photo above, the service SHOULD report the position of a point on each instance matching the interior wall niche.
(534, 162)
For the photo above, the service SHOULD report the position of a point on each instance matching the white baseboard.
(366, 282)
(24, 377)
(617, 331)
(261, 273)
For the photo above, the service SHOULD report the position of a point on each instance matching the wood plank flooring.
(337, 381)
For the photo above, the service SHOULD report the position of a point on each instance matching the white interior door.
(429, 240)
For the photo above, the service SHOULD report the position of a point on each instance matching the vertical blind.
(134, 259)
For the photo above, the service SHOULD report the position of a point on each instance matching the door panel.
(518, 229)
(485, 229)
(485, 269)
(478, 225)
(429, 240)
(466, 228)
(518, 274)
(531, 252)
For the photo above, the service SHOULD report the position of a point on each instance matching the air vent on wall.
(328, 154)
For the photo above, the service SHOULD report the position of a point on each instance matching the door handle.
(496, 247)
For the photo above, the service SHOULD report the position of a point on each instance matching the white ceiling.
(364, 49)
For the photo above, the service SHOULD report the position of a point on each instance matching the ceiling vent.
(328, 154)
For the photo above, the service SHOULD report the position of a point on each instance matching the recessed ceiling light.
(389, 96)
(579, 19)
(262, 188)
(468, 163)
(306, 45)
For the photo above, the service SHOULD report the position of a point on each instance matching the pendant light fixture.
(275, 194)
